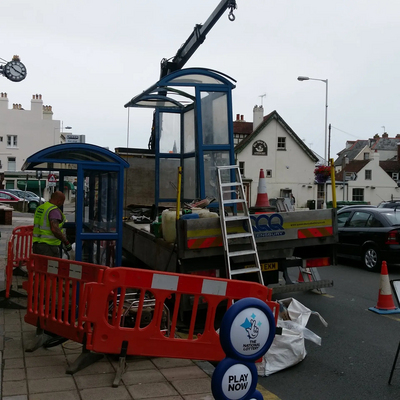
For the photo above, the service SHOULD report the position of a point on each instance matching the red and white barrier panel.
(119, 324)
(18, 252)
(55, 294)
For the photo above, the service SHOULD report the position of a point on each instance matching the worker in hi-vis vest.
(47, 225)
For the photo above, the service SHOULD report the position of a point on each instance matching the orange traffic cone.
(262, 196)
(385, 300)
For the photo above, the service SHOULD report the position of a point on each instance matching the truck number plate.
(271, 266)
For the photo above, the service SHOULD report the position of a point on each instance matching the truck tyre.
(371, 258)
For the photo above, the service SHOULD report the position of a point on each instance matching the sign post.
(246, 333)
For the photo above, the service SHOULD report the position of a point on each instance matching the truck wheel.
(371, 259)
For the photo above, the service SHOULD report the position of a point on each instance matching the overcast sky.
(88, 58)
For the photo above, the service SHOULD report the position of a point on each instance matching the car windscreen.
(393, 217)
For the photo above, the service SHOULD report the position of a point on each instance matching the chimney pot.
(237, 117)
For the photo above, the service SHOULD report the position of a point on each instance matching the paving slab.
(70, 395)
(152, 390)
(94, 381)
(140, 377)
(15, 374)
(14, 388)
(190, 372)
(192, 386)
(49, 385)
(106, 393)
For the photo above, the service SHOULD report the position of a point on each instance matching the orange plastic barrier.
(55, 294)
(18, 252)
(108, 307)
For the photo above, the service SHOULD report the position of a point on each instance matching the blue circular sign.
(233, 380)
(247, 330)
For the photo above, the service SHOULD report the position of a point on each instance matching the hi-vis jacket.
(41, 225)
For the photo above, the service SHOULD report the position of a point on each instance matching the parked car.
(389, 204)
(12, 200)
(12, 196)
(33, 199)
(371, 235)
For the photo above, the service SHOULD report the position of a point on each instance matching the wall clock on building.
(15, 71)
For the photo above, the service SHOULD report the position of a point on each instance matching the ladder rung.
(244, 271)
(238, 235)
(241, 253)
(230, 184)
(228, 167)
(234, 201)
(236, 218)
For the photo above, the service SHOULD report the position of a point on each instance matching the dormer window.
(395, 176)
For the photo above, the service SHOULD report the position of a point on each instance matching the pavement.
(41, 375)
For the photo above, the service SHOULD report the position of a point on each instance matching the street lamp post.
(306, 78)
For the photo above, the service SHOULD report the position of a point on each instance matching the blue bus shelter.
(99, 176)
(192, 128)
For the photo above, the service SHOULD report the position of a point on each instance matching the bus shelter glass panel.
(189, 178)
(168, 177)
(212, 160)
(214, 117)
(101, 211)
(170, 133)
(189, 132)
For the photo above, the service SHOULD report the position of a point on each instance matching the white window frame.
(241, 167)
(11, 164)
(12, 141)
(395, 176)
(268, 173)
(281, 145)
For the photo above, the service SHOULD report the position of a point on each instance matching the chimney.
(4, 101)
(237, 117)
(37, 104)
(376, 157)
(242, 118)
(385, 135)
(258, 116)
(47, 112)
(398, 152)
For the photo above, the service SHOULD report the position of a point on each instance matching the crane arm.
(196, 38)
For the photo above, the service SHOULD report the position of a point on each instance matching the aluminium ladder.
(231, 193)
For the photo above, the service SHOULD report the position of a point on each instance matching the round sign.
(247, 330)
(233, 380)
(256, 396)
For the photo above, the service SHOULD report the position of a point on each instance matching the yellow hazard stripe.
(306, 224)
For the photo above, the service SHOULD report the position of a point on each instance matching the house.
(364, 149)
(23, 132)
(366, 180)
(270, 144)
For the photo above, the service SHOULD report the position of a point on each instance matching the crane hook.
(232, 6)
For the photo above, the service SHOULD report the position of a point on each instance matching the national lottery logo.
(251, 327)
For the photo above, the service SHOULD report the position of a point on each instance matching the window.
(366, 156)
(12, 141)
(241, 167)
(268, 173)
(12, 165)
(342, 218)
(368, 174)
(358, 195)
(359, 219)
(395, 176)
(281, 143)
